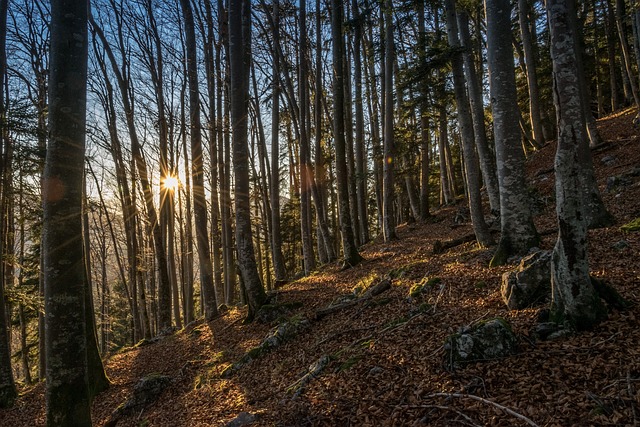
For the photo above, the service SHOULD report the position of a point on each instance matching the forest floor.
(386, 354)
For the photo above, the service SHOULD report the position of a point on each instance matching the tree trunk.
(626, 51)
(349, 248)
(8, 392)
(239, 58)
(197, 168)
(518, 234)
(483, 236)
(532, 77)
(389, 227)
(360, 160)
(486, 157)
(574, 299)
(68, 399)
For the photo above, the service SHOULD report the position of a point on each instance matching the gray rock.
(243, 419)
(146, 391)
(484, 341)
(620, 245)
(530, 283)
(608, 160)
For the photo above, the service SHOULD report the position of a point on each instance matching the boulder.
(530, 283)
(146, 391)
(489, 340)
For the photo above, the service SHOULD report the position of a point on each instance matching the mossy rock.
(423, 286)
(488, 340)
(631, 226)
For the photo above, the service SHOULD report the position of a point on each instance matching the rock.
(530, 283)
(269, 313)
(615, 182)
(243, 419)
(489, 340)
(375, 370)
(620, 245)
(145, 392)
(608, 160)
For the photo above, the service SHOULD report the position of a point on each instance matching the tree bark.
(197, 168)
(350, 251)
(389, 227)
(68, 399)
(518, 233)
(574, 299)
(239, 58)
(483, 236)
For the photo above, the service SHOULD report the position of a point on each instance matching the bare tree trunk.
(518, 233)
(8, 392)
(486, 157)
(349, 248)
(574, 299)
(626, 51)
(68, 398)
(197, 168)
(239, 59)
(389, 143)
(480, 228)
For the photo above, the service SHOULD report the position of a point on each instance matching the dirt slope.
(387, 355)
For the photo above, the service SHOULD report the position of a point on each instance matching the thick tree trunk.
(518, 234)
(68, 399)
(483, 236)
(574, 299)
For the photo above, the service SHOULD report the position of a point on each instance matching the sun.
(171, 183)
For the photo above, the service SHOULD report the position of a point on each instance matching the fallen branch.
(483, 400)
(313, 372)
(440, 246)
(373, 291)
(445, 408)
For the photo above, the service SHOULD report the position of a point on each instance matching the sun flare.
(171, 183)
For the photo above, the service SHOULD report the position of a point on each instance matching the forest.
(180, 179)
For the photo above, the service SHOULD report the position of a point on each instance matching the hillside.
(386, 353)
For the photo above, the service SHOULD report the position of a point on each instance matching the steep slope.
(385, 363)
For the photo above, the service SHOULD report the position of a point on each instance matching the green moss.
(416, 290)
(481, 285)
(365, 283)
(349, 363)
(631, 226)
(255, 352)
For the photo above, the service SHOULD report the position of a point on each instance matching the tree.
(389, 143)
(197, 168)
(518, 233)
(68, 402)
(239, 59)
(483, 236)
(574, 299)
(8, 391)
(349, 249)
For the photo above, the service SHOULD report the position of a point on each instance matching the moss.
(365, 283)
(349, 363)
(481, 284)
(416, 290)
(631, 226)
(255, 352)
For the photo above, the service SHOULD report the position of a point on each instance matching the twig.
(631, 394)
(346, 331)
(445, 408)
(231, 324)
(483, 400)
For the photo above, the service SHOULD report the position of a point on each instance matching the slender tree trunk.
(349, 248)
(239, 58)
(532, 77)
(68, 399)
(480, 228)
(389, 143)
(305, 157)
(626, 51)
(518, 234)
(197, 168)
(574, 300)
(486, 157)
(8, 392)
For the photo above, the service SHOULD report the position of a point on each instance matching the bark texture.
(518, 234)
(68, 401)
(574, 299)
